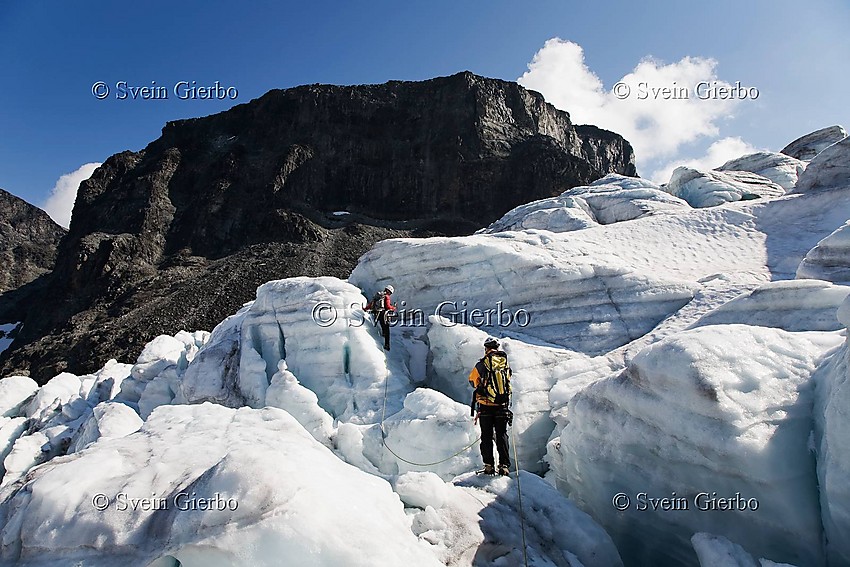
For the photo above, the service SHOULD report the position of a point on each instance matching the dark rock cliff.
(181, 233)
(28, 241)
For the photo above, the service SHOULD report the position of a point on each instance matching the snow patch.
(6, 332)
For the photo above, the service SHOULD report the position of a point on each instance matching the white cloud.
(60, 203)
(656, 125)
(717, 154)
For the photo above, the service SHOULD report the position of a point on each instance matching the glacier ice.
(585, 303)
(286, 393)
(721, 410)
(556, 214)
(614, 198)
(156, 376)
(829, 169)
(779, 168)
(712, 188)
(830, 259)
(476, 520)
(536, 369)
(11, 428)
(287, 321)
(793, 305)
(108, 420)
(808, 146)
(832, 431)
(15, 391)
(279, 487)
(717, 551)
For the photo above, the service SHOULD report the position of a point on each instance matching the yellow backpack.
(495, 383)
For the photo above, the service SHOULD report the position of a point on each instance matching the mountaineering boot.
(503, 470)
(488, 469)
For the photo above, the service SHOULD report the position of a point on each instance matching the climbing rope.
(396, 455)
(453, 455)
(519, 494)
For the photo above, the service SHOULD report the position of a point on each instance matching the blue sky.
(52, 53)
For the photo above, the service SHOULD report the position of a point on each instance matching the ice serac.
(829, 169)
(108, 420)
(63, 415)
(266, 504)
(793, 305)
(317, 326)
(718, 412)
(717, 551)
(432, 431)
(779, 168)
(832, 432)
(286, 393)
(15, 391)
(808, 146)
(711, 188)
(455, 349)
(558, 214)
(523, 283)
(11, 428)
(614, 198)
(156, 377)
(830, 259)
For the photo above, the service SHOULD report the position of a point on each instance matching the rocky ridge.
(298, 182)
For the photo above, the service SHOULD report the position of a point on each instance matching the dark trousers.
(494, 423)
(384, 320)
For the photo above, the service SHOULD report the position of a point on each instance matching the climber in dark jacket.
(492, 399)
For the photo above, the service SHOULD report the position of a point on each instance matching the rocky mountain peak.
(289, 181)
(28, 241)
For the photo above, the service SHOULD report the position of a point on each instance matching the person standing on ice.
(491, 379)
(381, 307)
